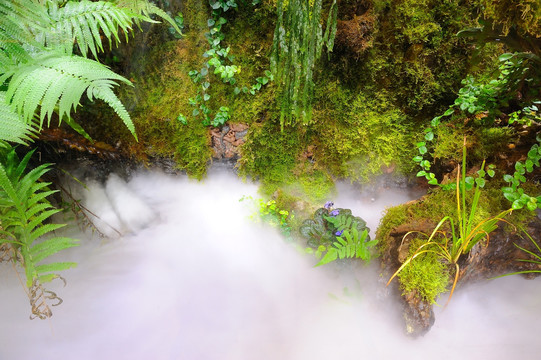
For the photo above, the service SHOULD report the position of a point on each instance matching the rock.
(418, 314)
(227, 140)
(499, 256)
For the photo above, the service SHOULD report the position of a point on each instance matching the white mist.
(194, 278)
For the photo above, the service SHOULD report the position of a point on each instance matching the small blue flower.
(339, 232)
(328, 205)
(334, 212)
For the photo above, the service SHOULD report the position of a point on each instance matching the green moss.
(416, 54)
(425, 274)
(270, 154)
(393, 217)
(364, 135)
(449, 141)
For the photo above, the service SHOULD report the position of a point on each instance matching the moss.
(425, 274)
(270, 154)
(363, 136)
(393, 217)
(482, 142)
(416, 54)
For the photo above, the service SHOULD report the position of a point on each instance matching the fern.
(25, 209)
(297, 46)
(52, 80)
(15, 16)
(146, 8)
(12, 127)
(36, 62)
(355, 245)
(81, 22)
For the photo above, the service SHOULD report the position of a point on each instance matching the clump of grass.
(426, 274)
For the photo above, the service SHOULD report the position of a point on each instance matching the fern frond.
(354, 245)
(81, 22)
(17, 16)
(12, 126)
(25, 210)
(52, 80)
(50, 247)
(146, 8)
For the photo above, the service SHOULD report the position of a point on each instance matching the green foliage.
(270, 154)
(222, 116)
(427, 274)
(11, 128)
(514, 192)
(219, 59)
(272, 214)
(338, 234)
(51, 81)
(24, 211)
(416, 55)
(37, 62)
(355, 246)
(465, 233)
(487, 99)
(84, 22)
(363, 135)
(298, 43)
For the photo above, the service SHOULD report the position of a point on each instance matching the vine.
(220, 63)
(476, 98)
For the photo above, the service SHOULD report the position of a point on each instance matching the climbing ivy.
(220, 63)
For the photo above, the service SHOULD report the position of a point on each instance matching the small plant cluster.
(337, 234)
(476, 98)
(220, 62)
(514, 192)
(427, 275)
(272, 214)
(465, 230)
(24, 210)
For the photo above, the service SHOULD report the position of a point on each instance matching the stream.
(194, 277)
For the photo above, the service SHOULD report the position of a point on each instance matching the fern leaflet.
(354, 246)
(52, 80)
(24, 209)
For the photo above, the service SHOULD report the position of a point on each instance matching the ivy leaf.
(480, 182)
(532, 206)
(507, 178)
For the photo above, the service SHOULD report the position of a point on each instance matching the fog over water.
(194, 278)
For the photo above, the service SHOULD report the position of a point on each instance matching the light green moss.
(425, 274)
(369, 136)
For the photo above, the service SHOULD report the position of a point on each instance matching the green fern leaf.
(55, 267)
(50, 247)
(81, 22)
(146, 8)
(72, 77)
(12, 127)
(41, 230)
(37, 208)
(330, 256)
